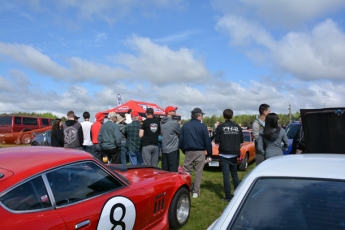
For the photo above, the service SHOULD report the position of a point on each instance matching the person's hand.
(208, 159)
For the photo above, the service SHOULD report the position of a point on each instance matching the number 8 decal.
(118, 214)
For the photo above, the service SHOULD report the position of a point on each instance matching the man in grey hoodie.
(170, 131)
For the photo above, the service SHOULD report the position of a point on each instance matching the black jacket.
(229, 137)
(57, 138)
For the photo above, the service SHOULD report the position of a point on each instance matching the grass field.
(208, 207)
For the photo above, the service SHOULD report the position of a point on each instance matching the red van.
(19, 129)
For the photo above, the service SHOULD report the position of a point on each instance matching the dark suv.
(19, 129)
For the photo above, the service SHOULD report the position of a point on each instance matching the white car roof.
(303, 165)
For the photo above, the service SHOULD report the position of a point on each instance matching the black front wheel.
(179, 209)
(34, 143)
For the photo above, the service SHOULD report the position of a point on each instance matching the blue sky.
(62, 55)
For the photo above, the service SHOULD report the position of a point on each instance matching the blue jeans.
(135, 158)
(123, 153)
(229, 165)
(159, 149)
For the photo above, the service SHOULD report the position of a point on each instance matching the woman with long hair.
(56, 134)
(272, 141)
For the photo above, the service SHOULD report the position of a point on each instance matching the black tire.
(244, 164)
(179, 209)
(25, 139)
(34, 143)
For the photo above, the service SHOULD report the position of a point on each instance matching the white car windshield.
(293, 203)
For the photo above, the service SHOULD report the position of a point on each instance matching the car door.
(89, 197)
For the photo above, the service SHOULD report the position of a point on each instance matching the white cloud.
(211, 98)
(319, 54)
(106, 10)
(100, 37)
(180, 36)
(5, 85)
(282, 13)
(84, 70)
(32, 58)
(151, 63)
(314, 55)
(161, 65)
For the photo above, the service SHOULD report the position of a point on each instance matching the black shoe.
(225, 199)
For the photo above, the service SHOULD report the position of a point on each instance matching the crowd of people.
(145, 140)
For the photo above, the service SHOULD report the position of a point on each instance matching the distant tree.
(213, 120)
(32, 114)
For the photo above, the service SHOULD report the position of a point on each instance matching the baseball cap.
(119, 118)
(112, 115)
(170, 108)
(149, 110)
(134, 114)
(76, 117)
(197, 110)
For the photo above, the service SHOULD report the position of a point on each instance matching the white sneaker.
(195, 195)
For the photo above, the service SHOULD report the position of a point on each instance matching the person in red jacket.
(96, 148)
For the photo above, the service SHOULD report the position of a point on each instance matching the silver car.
(42, 139)
(305, 191)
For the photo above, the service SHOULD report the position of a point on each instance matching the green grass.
(208, 206)
(3, 145)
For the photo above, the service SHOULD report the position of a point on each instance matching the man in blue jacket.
(194, 140)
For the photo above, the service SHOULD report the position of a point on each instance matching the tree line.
(33, 114)
(245, 120)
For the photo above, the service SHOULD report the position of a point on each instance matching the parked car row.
(21, 129)
(43, 139)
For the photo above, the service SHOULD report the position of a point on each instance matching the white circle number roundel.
(118, 214)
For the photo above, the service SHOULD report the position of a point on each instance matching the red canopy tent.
(138, 106)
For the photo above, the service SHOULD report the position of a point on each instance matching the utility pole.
(289, 112)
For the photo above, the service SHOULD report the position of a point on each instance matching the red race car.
(56, 188)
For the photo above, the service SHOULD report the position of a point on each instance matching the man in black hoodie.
(72, 132)
(230, 138)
